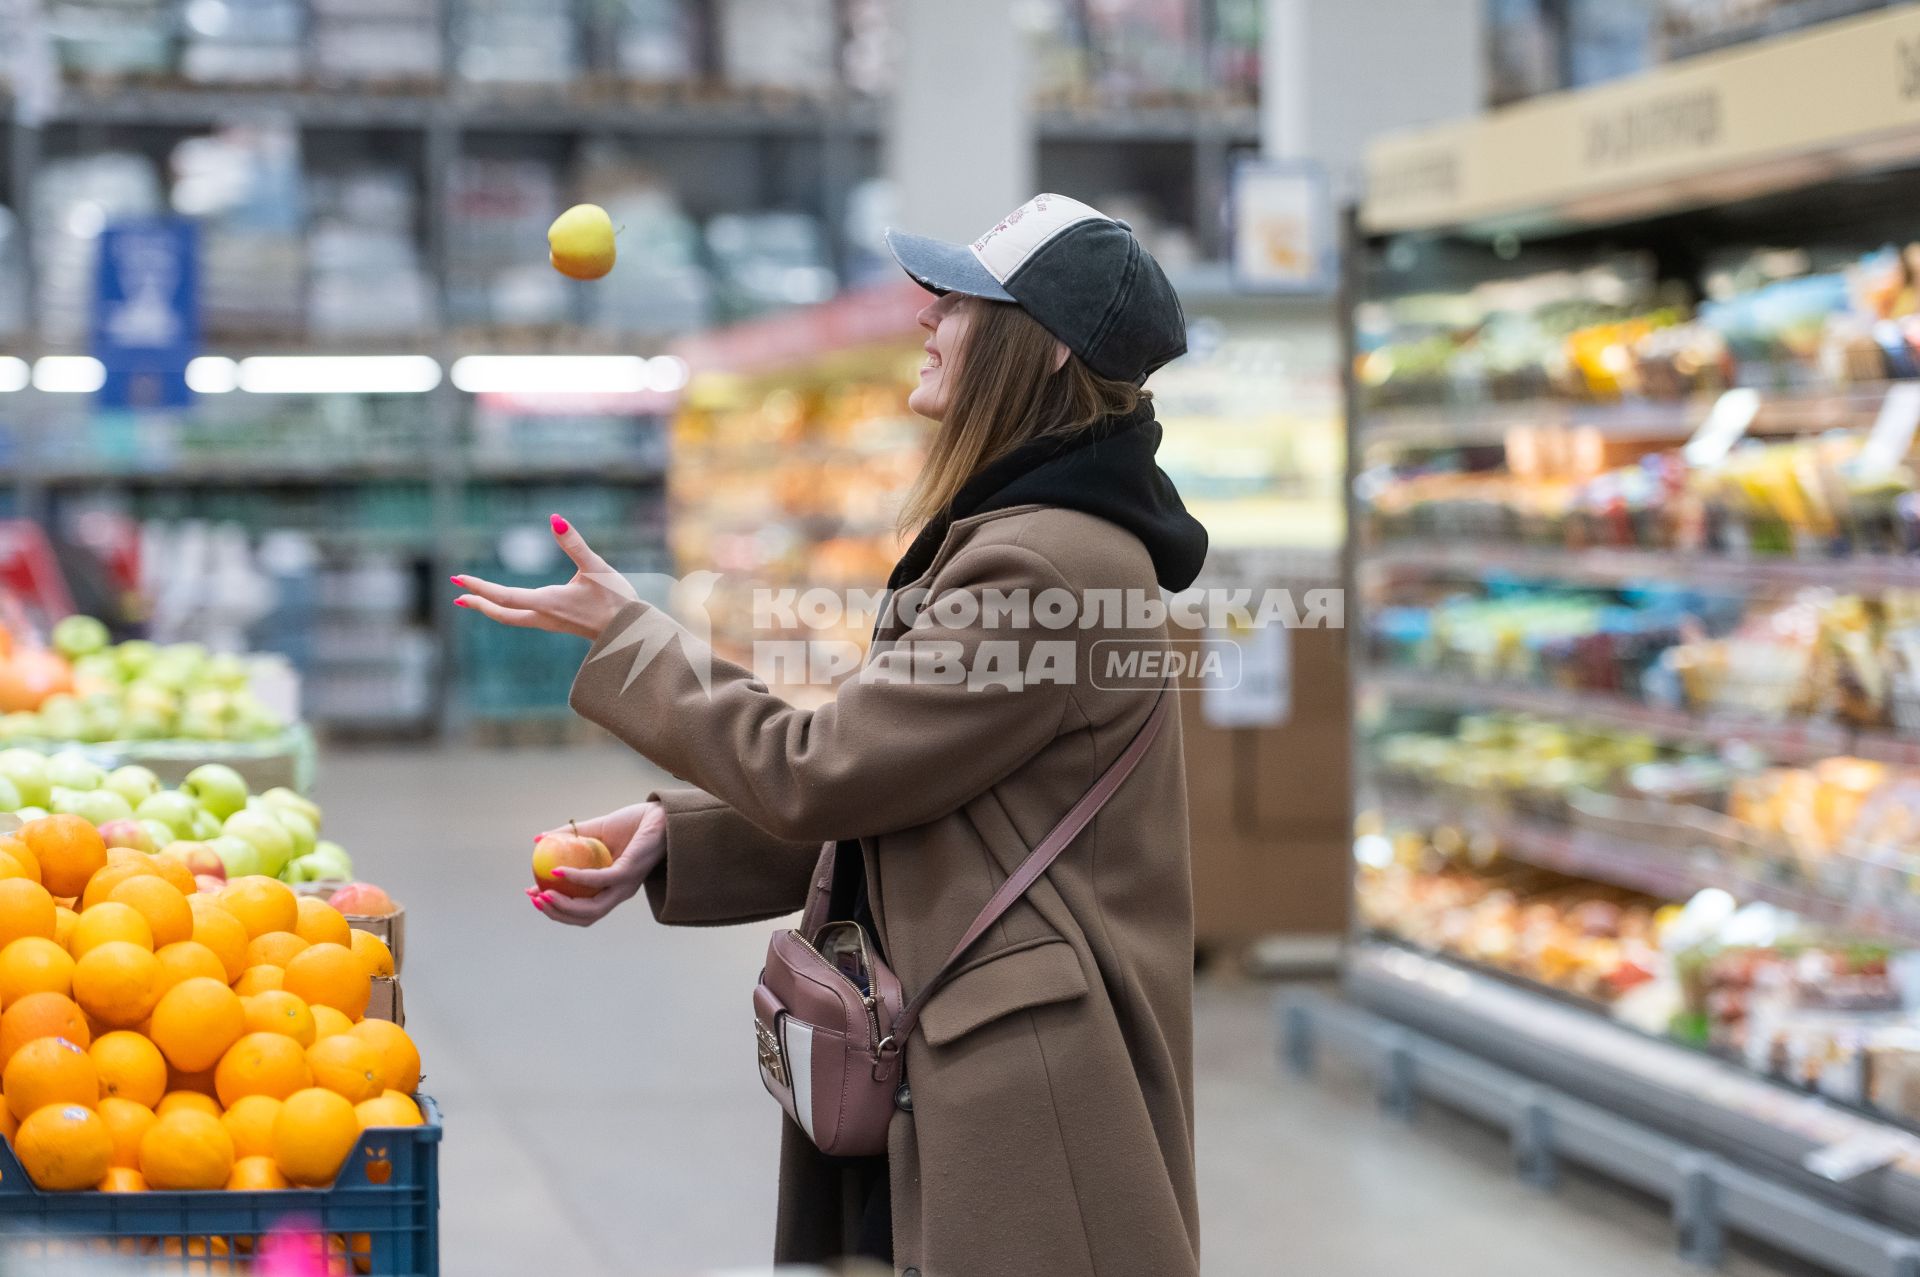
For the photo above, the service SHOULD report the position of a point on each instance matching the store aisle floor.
(603, 1116)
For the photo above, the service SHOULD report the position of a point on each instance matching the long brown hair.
(1006, 393)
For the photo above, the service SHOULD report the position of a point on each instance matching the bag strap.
(1039, 860)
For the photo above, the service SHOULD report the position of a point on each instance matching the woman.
(1045, 1124)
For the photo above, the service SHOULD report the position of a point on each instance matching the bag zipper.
(866, 999)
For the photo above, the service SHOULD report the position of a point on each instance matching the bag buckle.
(772, 1058)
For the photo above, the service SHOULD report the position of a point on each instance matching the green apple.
(159, 832)
(242, 858)
(280, 798)
(205, 825)
(78, 636)
(132, 782)
(95, 806)
(32, 813)
(9, 795)
(226, 671)
(298, 828)
(62, 718)
(73, 771)
(97, 667)
(172, 809)
(134, 656)
(339, 864)
(216, 787)
(27, 769)
(145, 726)
(21, 725)
(265, 833)
(147, 698)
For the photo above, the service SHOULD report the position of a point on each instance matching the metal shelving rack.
(840, 132)
(1732, 1151)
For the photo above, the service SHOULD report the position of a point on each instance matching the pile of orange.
(157, 1037)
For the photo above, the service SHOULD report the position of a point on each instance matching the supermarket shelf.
(1569, 1086)
(1463, 425)
(1149, 124)
(612, 470)
(1790, 740)
(1657, 871)
(1613, 567)
(242, 473)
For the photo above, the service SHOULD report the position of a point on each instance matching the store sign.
(1262, 695)
(146, 314)
(1282, 233)
(1711, 127)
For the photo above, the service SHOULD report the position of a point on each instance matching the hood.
(1106, 470)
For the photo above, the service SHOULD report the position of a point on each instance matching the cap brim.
(943, 267)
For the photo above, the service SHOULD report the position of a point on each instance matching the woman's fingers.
(576, 548)
(583, 912)
(505, 615)
(591, 879)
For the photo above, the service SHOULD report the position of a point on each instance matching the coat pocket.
(1032, 974)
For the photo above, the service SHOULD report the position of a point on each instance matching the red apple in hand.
(572, 850)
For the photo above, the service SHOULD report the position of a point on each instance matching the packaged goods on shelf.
(1147, 52)
(515, 42)
(769, 261)
(243, 41)
(1688, 27)
(13, 268)
(869, 62)
(1524, 51)
(498, 208)
(107, 38)
(247, 188)
(1234, 70)
(74, 199)
(372, 41)
(649, 41)
(1609, 39)
(789, 45)
(365, 273)
(1057, 44)
(658, 284)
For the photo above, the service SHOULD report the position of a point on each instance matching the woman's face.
(946, 320)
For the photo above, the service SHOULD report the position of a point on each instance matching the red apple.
(201, 860)
(363, 900)
(210, 884)
(572, 850)
(128, 832)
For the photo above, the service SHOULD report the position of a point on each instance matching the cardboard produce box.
(392, 928)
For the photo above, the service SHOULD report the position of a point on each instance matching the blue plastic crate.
(385, 1202)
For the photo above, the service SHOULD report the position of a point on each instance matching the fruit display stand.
(286, 760)
(380, 1216)
(1632, 477)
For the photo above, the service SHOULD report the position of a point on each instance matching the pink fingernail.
(459, 602)
(538, 905)
(560, 526)
(457, 580)
(537, 838)
(559, 873)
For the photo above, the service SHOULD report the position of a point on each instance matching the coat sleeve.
(722, 869)
(914, 735)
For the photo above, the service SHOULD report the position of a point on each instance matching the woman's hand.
(641, 833)
(584, 606)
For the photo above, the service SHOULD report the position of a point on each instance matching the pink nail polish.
(537, 838)
(559, 873)
(560, 526)
(456, 580)
(459, 602)
(537, 905)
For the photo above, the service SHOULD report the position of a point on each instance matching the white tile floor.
(603, 1116)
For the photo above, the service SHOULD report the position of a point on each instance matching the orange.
(256, 1175)
(199, 1081)
(11, 868)
(64, 921)
(347, 1065)
(122, 1179)
(161, 904)
(261, 904)
(259, 980)
(250, 1123)
(18, 849)
(107, 922)
(274, 949)
(8, 1122)
(26, 909)
(328, 1022)
(127, 1122)
(262, 1064)
(117, 871)
(389, 1108)
(277, 1011)
(49, 1071)
(221, 932)
(320, 923)
(185, 959)
(41, 1015)
(399, 1058)
(187, 1101)
(131, 1068)
(64, 1147)
(372, 952)
(312, 1136)
(175, 872)
(69, 849)
(33, 964)
(328, 975)
(117, 983)
(187, 1150)
(196, 1022)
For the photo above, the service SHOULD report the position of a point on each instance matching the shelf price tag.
(1892, 432)
(1732, 414)
(1857, 1155)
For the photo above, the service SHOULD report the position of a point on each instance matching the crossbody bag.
(830, 1017)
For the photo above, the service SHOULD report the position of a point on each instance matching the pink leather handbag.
(830, 1017)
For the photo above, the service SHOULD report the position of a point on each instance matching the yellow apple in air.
(580, 242)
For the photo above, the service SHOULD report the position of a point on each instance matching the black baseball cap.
(1081, 274)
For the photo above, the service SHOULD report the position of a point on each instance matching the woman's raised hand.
(584, 606)
(640, 834)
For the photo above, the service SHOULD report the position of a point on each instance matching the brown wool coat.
(1051, 1128)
